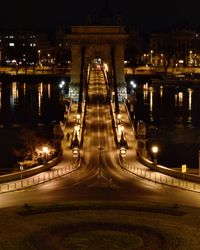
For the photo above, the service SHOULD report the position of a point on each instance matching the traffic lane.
(93, 191)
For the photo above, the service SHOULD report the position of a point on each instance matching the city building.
(24, 48)
(177, 47)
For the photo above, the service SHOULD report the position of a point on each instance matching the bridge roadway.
(100, 176)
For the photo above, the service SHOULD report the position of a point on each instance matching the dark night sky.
(146, 15)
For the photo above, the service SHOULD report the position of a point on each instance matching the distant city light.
(11, 44)
(133, 84)
(62, 83)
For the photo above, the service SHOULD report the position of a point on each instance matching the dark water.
(172, 115)
(30, 103)
(35, 105)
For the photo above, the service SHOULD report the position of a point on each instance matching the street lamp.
(155, 151)
(121, 130)
(39, 51)
(45, 151)
(77, 129)
(113, 96)
(151, 57)
(78, 117)
(119, 119)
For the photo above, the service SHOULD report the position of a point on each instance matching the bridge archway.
(97, 42)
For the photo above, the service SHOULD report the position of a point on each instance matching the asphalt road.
(100, 176)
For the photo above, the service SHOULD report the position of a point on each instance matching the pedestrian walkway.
(133, 166)
(67, 165)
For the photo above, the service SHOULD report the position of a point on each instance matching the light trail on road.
(115, 183)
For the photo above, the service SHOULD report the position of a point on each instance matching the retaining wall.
(29, 172)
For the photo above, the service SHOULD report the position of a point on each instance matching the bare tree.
(30, 140)
(169, 53)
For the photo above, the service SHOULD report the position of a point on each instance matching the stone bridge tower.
(98, 40)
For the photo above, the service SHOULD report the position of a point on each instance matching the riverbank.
(34, 77)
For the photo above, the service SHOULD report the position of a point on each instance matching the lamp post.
(39, 51)
(151, 57)
(155, 151)
(121, 130)
(45, 151)
(21, 174)
(113, 97)
(119, 118)
(78, 118)
(77, 129)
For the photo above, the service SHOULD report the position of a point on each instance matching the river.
(172, 116)
(34, 105)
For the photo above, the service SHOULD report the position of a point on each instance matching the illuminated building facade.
(23, 48)
(181, 47)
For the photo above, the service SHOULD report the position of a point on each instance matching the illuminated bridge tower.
(102, 42)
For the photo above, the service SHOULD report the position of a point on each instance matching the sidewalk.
(66, 166)
(133, 166)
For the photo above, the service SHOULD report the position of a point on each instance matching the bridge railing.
(40, 178)
(160, 178)
(118, 128)
(78, 129)
(158, 173)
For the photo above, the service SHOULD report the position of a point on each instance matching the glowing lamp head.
(154, 149)
(45, 150)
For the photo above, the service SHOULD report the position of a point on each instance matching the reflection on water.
(21, 104)
(175, 112)
(30, 103)
(40, 92)
(49, 90)
(168, 106)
